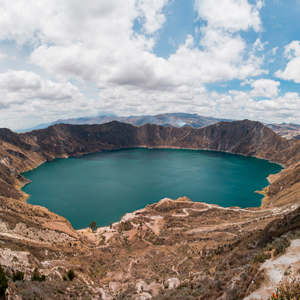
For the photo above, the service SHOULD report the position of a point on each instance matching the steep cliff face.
(18, 154)
(239, 137)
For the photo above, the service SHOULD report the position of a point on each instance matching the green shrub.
(3, 281)
(37, 277)
(18, 276)
(260, 257)
(71, 274)
(280, 244)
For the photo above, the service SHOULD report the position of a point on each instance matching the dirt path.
(274, 211)
(275, 269)
(19, 237)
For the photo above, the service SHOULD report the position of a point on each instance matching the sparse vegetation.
(3, 281)
(48, 290)
(18, 276)
(126, 226)
(280, 244)
(71, 275)
(283, 242)
(37, 277)
(259, 257)
(289, 289)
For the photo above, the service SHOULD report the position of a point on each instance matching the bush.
(18, 276)
(71, 274)
(3, 282)
(65, 278)
(280, 244)
(37, 277)
(244, 275)
(260, 257)
(126, 226)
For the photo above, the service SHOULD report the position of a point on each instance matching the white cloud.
(259, 45)
(285, 108)
(264, 88)
(231, 15)
(225, 55)
(129, 60)
(274, 50)
(19, 87)
(240, 104)
(117, 56)
(292, 70)
(151, 11)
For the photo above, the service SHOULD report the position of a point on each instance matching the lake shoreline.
(207, 155)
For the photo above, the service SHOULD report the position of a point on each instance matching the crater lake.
(103, 186)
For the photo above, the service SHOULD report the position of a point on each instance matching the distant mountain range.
(167, 120)
(286, 130)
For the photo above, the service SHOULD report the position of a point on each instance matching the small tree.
(71, 274)
(3, 282)
(93, 226)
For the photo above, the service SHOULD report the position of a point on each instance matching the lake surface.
(102, 187)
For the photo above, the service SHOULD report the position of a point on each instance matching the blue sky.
(224, 58)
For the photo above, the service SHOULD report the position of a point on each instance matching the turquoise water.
(104, 186)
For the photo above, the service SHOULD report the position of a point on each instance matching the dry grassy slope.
(172, 239)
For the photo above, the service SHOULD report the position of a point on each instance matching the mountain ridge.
(168, 119)
(286, 130)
